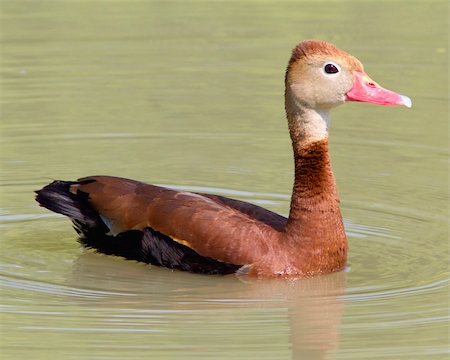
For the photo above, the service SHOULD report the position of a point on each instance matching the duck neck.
(315, 200)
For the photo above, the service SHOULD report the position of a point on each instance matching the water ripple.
(397, 293)
(61, 290)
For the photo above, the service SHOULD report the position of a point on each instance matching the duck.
(216, 235)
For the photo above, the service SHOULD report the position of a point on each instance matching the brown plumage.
(215, 235)
(314, 48)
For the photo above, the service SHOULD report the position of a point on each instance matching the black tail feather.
(57, 197)
(147, 246)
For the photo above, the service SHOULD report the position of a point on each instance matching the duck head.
(321, 76)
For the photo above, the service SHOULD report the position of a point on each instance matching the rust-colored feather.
(314, 48)
(213, 226)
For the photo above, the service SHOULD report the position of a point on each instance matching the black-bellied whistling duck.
(213, 234)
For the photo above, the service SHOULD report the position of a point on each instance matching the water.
(190, 94)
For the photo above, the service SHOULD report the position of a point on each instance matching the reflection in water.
(311, 308)
(315, 310)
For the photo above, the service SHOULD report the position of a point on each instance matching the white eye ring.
(331, 69)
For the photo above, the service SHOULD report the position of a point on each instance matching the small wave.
(53, 289)
(401, 292)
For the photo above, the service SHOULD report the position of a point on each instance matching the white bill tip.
(406, 101)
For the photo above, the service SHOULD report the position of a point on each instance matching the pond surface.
(190, 94)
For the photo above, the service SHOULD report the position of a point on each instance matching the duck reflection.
(217, 312)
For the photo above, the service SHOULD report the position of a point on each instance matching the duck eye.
(331, 68)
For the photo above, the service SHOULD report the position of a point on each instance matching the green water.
(190, 94)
